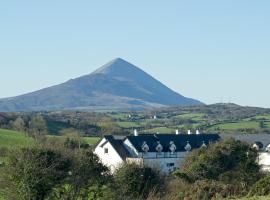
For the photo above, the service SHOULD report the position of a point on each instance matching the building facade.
(164, 152)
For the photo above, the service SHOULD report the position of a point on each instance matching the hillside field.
(10, 139)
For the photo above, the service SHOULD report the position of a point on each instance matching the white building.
(264, 156)
(162, 151)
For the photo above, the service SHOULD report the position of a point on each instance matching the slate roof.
(117, 143)
(250, 138)
(180, 141)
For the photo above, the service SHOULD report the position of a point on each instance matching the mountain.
(118, 85)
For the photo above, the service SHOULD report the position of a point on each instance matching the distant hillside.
(117, 85)
(217, 118)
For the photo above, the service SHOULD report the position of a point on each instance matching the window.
(170, 164)
(106, 150)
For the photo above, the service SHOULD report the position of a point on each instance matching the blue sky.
(215, 51)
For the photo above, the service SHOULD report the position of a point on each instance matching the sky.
(214, 51)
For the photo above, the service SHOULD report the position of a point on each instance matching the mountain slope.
(117, 85)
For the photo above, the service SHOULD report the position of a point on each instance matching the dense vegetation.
(218, 118)
(224, 169)
(50, 171)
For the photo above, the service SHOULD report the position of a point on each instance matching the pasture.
(11, 139)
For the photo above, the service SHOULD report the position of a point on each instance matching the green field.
(10, 139)
(236, 126)
(259, 117)
(119, 115)
(194, 116)
(164, 130)
(128, 124)
(92, 140)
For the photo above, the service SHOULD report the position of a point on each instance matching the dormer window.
(256, 147)
(106, 150)
(203, 145)
(172, 147)
(159, 147)
(145, 147)
(267, 148)
(188, 147)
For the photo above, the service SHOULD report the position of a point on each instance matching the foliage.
(261, 188)
(74, 140)
(86, 180)
(136, 181)
(38, 126)
(73, 143)
(19, 125)
(227, 164)
(32, 173)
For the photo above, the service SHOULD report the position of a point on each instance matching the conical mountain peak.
(118, 67)
(117, 85)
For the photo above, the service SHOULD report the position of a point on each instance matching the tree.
(87, 178)
(18, 125)
(32, 173)
(262, 125)
(73, 139)
(227, 163)
(38, 125)
(135, 181)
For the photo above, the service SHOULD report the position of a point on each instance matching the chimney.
(197, 132)
(177, 132)
(189, 132)
(135, 132)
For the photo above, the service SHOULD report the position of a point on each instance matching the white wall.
(264, 161)
(111, 159)
(151, 160)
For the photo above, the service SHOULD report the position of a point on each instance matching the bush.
(3, 151)
(261, 188)
(32, 173)
(136, 181)
(75, 143)
(226, 164)
(86, 179)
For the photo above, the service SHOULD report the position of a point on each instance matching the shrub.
(32, 173)
(221, 166)
(136, 181)
(261, 188)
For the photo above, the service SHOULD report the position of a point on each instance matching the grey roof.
(117, 143)
(180, 141)
(250, 138)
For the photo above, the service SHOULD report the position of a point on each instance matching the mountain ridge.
(116, 85)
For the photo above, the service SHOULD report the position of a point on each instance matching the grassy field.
(259, 117)
(160, 130)
(128, 124)
(193, 116)
(119, 115)
(10, 139)
(236, 126)
(92, 140)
